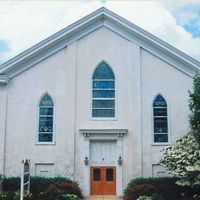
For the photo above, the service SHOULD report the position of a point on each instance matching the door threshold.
(103, 197)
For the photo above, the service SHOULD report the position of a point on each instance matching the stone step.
(103, 197)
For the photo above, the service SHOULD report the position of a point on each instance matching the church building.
(95, 102)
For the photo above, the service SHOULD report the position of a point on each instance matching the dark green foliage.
(11, 184)
(42, 185)
(150, 180)
(56, 191)
(162, 189)
(194, 104)
(140, 190)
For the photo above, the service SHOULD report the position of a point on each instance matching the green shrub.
(59, 190)
(1, 178)
(144, 198)
(165, 189)
(39, 185)
(70, 197)
(11, 184)
(3, 195)
(158, 196)
(150, 180)
(27, 195)
(140, 190)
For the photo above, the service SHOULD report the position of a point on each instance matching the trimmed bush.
(140, 190)
(144, 198)
(41, 185)
(150, 180)
(11, 184)
(70, 197)
(165, 189)
(3, 195)
(59, 191)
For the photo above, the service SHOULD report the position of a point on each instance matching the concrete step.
(103, 197)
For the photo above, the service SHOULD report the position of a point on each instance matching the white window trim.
(37, 142)
(152, 124)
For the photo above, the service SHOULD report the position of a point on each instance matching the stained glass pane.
(160, 125)
(159, 102)
(103, 103)
(103, 93)
(46, 119)
(104, 84)
(109, 174)
(45, 137)
(96, 175)
(161, 138)
(160, 111)
(103, 71)
(103, 112)
(46, 110)
(46, 124)
(46, 101)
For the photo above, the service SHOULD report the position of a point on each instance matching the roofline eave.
(93, 21)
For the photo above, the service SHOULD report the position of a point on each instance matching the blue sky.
(193, 25)
(25, 23)
(188, 16)
(3, 46)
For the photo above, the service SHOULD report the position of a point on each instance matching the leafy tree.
(183, 158)
(194, 104)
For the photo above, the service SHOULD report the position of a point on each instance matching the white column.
(86, 168)
(119, 174)
(3, 106)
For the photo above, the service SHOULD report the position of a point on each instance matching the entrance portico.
(103, 148)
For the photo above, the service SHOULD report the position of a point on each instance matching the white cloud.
(156, 18)
(24, 23)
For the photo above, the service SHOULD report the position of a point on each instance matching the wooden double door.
(103, 180)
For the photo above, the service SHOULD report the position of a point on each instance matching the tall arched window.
(46, 111)
(103, 92)
(160, 120)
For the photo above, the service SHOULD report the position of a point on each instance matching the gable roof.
(99, 18)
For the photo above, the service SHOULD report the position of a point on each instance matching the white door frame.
(103, 134)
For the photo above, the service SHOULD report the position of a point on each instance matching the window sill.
(160, 144)
(103, 119)
(45, 143)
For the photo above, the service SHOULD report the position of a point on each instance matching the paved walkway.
(103, 197)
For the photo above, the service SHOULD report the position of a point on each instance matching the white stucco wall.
(160, 77)
(67, 75)
(53, 75)
(124, 58)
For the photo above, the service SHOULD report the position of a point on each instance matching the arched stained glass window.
(103, 92)
(46, 111)
(160, 119)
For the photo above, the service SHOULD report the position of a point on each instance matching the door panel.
(103, 180)
(110, 181)
(96, 180)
